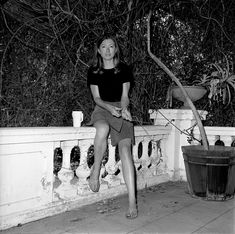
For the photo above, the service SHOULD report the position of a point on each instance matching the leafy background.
(46, 48)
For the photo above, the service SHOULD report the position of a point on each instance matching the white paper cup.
(77, 118)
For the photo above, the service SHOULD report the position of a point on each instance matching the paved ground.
(166, 208)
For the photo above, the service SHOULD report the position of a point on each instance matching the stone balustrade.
(183, 125)
(29, 188)
(216, 135)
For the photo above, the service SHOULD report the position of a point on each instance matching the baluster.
(145, 173)
(137, 161)
(56, 145)
(103, 183)
(155, 157)
(111, 167)
(227, 140)
(146, 160)
(160, 159)
(211, 140)
(83, 170)
(119, 177)
(65, 175)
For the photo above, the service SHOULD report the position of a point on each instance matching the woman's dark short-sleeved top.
(110, 81)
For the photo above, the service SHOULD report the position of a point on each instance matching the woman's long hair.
(97, 62)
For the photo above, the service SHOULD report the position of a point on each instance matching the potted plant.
(185, 71)
(219, 80)
(195, 92)
(210, 170)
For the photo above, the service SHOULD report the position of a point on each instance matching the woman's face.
(107, 49)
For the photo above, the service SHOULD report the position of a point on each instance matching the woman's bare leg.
(100, 146)
(128, 169)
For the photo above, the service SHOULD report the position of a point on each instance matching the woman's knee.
(102, 129)
(124, 146)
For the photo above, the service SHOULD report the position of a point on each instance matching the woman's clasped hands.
(120, 112)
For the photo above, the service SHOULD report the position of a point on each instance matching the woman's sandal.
(132, 214)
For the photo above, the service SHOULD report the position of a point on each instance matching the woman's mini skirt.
(119, 128)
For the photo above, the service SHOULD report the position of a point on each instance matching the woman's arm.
(125, 95)
(115, 111)
(125, 101)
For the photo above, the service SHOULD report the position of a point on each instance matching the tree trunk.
(176, 80)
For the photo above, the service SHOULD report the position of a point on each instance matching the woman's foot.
(132, 213)
(94, 185)
(94, 182)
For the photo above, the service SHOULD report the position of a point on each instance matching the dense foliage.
(46, 47)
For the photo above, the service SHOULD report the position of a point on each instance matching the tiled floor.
(166, 208)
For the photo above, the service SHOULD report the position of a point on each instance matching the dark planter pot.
(210, 173)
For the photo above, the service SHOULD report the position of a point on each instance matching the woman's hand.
(115, 111)
(126, 114)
